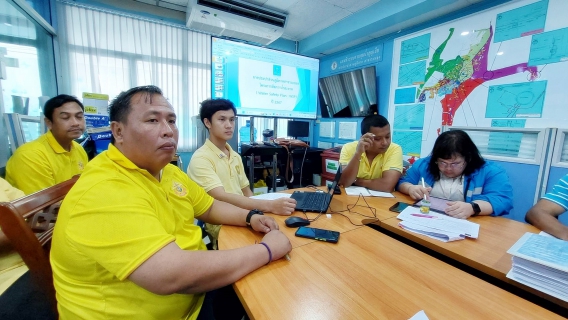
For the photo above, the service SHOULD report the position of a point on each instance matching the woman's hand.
(459, 209)
(417, 192)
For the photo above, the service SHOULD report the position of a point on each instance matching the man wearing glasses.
(455, 171)
(372, 162)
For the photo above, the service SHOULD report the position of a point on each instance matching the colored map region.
(463, 74)
(521, 22)
(516, 100)
(411, 74)
(409, 117)
(409, 141)
(415, 49)
(549, 47)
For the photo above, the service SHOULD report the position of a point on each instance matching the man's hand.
(459, 209)
(282, 206)
(262, 223)
(278, 243)
(417, 192)
(365, 143)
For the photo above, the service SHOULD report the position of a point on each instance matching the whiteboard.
(457, 74)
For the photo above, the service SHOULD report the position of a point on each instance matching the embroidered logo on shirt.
(80, 165)
(179, 189)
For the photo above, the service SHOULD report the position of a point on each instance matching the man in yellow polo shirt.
(372, 162)
(218, 169)
(53, 157)
(125, 245)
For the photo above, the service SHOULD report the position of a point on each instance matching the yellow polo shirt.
(43, 163)
(9, 193)
(114, 218)
(390, 160)
(211, 168)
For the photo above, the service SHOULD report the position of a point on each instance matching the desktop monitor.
(264, 82)
(298, 129)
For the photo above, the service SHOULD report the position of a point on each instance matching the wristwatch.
(476, 209)
(251, 213)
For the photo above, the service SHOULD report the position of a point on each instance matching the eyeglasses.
(454, 165)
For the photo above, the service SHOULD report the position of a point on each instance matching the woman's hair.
(455, 142)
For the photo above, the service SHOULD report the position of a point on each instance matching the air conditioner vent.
(236, 19)
(246, 10)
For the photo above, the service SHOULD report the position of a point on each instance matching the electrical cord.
(350, 209)
(302, 165)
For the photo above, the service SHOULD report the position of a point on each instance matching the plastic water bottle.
(244, 133)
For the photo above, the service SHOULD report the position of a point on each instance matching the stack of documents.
(436, 225)
(541, 262)
(355, 191)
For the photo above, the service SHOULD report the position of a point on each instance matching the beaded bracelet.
(269, 252)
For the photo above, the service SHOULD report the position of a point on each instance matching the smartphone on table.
(318, 234)
(399, 206)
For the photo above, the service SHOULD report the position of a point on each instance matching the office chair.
(28, 223)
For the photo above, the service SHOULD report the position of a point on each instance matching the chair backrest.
(28, 223)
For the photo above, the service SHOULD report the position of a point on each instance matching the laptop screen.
(335, 181)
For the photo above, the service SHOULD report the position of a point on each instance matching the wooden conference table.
(487, 253)
(366, 275)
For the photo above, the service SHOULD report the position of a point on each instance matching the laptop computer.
(315, 201)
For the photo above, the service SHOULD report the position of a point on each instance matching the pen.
(288, 257)
(424, 186)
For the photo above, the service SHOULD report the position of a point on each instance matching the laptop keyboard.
(314, 200)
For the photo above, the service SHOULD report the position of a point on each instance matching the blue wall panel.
(523, 178)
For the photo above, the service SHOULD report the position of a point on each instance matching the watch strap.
(251, 213)
(476, 209)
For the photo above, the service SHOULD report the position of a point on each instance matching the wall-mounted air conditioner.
(236, 19)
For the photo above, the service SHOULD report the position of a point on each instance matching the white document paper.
(327, 129)
(271, 196)
(421, 315)
(355, 191)
(443, 223)
(347, 130)
(430, 232)
(548, 251)
(540, 261)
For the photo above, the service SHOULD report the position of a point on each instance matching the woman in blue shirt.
(456, 171)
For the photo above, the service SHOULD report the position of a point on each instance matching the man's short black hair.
(210, 106)
(375, 120)
(57, 102)
(121, 105)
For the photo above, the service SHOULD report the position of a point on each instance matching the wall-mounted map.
(484, 69)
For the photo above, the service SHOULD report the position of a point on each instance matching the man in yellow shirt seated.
(125, 245)
(218, 169)
(53, 157)
(372, 162)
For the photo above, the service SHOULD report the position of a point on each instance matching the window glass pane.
(27, 50)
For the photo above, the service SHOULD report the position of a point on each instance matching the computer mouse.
(295, 222)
